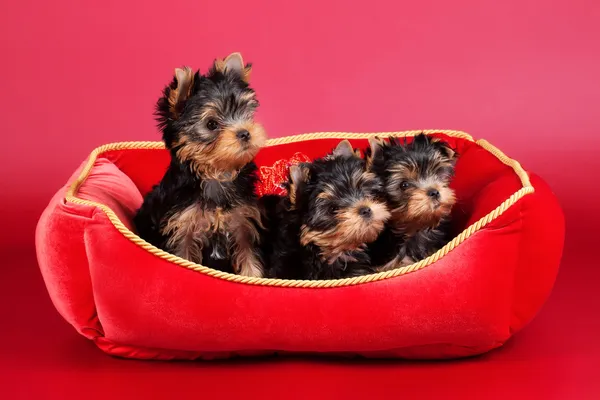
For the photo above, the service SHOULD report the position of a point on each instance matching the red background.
(521, 73)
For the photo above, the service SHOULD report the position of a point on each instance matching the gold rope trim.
(346, 135)
(469, 231)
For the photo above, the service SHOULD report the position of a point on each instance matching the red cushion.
(136, 301)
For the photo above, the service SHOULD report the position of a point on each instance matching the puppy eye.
(333, 209)
(404, 185)
(212, 125)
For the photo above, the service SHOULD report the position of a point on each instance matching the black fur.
(281, 243)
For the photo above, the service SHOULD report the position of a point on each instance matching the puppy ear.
(180, 90)
(344, 150)
(445, 148)
(299, 176)
(375, 148)
(450, 153)
(234, 63)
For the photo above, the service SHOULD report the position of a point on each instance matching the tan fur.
(190, 230)
(248, 96)
(375, 144)
(344, 149)
(402, 172)
(188, 233)
(360, 177)
(236, 62)
(298, 176)
(242, 224)
(224, 156)
(209, 111)
(185, 81)
(451, 153)
(351, 233)
(325, 195)
(421, 211)
(437, 163)
(212, 109)
(328, 192)
(396, 263)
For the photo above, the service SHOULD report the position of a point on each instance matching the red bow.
(272, 178)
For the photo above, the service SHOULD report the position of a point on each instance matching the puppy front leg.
(246, 260)
(243, 223)
(396, 262)
(189, 249)
(186, 230)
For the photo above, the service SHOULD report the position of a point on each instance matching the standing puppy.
(204, 209)
(416, 177)
(333, 209)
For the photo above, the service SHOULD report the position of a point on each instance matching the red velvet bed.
(134, 300)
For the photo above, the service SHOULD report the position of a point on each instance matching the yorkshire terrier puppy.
(204, 209)
(333, 209)
(416, 178)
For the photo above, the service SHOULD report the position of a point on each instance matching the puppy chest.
(216, 228)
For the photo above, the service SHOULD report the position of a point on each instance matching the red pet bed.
(135, 300)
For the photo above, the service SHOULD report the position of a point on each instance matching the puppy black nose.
(433, 193)
(243, 135)
(365, 212)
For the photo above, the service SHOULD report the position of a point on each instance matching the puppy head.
(416, 178)
(340, 200)
(208, 120)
